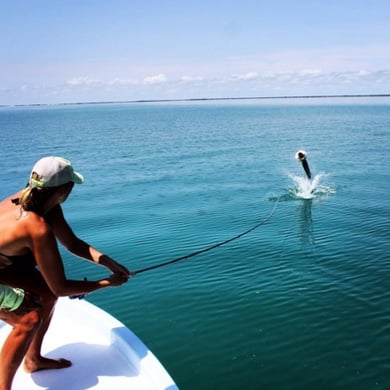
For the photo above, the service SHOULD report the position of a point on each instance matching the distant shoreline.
(200, 100)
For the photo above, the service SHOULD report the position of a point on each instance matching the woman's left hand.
(114, 266)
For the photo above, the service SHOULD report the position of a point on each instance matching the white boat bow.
(104, 353)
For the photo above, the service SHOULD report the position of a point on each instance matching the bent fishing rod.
(198, 252)
(211, 247)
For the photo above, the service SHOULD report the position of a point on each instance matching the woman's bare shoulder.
(18, 224)
(9, 200)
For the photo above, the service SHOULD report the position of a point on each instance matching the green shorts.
(10, 298)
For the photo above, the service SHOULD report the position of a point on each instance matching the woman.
(31, 222)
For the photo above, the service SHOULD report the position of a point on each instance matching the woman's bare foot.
(45, 364)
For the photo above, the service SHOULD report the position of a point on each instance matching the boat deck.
(104, 354)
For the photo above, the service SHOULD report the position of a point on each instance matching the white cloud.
(122, 82)
(82, 81)
(191, 78)
(252, 82)
(157, 79)
(245, 76)
(349, 58)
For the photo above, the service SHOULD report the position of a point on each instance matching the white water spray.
(308, 189)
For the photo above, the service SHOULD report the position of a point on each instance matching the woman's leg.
(34, 361)
(33, 282)
(24, 321)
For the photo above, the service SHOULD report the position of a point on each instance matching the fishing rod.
(198, 252)
(211, 247)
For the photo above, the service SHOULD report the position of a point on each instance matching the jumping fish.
(301, 156)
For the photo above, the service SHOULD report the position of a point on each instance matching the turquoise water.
(302, 301)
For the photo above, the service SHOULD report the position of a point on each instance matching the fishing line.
(198, 252)
(211, 247)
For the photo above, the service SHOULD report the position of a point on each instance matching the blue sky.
(93, 50)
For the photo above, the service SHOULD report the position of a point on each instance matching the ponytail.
(33, 198)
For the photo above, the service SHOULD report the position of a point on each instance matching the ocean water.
(300, 302)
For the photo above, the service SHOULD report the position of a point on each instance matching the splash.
(308, 189)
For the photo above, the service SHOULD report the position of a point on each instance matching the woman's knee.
(30, 321)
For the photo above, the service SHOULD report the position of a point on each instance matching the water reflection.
(306, 222)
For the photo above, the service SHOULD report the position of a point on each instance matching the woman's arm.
(72, 243)
(46, 253)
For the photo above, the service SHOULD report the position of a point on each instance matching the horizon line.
(198, 99)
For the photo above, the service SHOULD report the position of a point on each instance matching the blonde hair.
(33, 198)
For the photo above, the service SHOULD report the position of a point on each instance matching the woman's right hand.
(115, 279)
